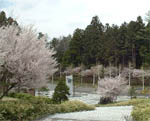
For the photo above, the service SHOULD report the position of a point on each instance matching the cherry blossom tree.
(25, 60)
(71, 70)
(111, 71)
(111, 87)
(141, 73)
(87, 72)
(96, 72)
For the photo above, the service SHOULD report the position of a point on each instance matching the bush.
(16, 110)
(31, 99)
(141, 112)
(76, 105)
(61, 92)
(133, 102)
(2, 118)
(106, 100)
(27, 107)
(73, 106)
(24, 96)
(24, 110)
(145, 92)
(39, 99)
(20, 110)
(132, 92)
(44, 89)
(11, 94)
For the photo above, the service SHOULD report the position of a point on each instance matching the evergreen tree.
(61, 46)
(3, 19)
(76, 47)
(93, 42)
(61, 92)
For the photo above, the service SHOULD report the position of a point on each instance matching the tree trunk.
(98, 74)
(6, 91)
(93, 79)
(119, 70)
(81, 78)
(123, 62)
(52, 79)
(129, 74)
(110, 70)
(134, 55)
(143, 78)
(60, 70)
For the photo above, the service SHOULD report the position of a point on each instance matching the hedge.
(29, 108)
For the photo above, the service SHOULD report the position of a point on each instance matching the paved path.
(100, 114)
(89, 96)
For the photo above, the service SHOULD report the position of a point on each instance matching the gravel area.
(100, 114)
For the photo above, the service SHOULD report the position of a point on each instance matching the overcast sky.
(62, 17)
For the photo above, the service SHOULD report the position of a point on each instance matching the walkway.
(100, 114)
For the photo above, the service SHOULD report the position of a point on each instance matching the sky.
(61, 17)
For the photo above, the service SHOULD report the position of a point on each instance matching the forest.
(105, 44)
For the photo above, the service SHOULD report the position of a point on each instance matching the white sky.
(62, 17)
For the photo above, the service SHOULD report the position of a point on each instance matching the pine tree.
(3, 19)
(93, 42)
(76, 47)
(61, 92)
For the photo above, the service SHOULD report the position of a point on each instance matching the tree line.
(105, 44)
(101, 44)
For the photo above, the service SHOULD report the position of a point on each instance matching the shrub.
(25, 111)
(16, 110)
(133, 102)
(25, 96)
(145, 91)
(31, 99)
(77, 106)
(132, 92)
(73, 106)
(106, 100)
(61, 92)
(2, 118)
(38, 100)
(44, 89)
(11, 94)
(141, 112)
(28, 107)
